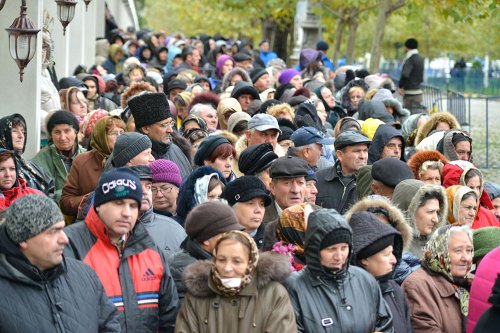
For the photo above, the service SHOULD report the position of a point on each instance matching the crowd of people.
(199, 185)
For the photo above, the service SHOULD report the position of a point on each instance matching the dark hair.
(471, 174)
(5, 155)
(470, 194)
(224, 150)
(188, 50)
(240, 126)
(17, 121)
(432, 195)
(214, 182)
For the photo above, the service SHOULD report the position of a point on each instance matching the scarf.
(437, 260)
(291, 227)
(249, 272)
(201, 188)
(99, 138)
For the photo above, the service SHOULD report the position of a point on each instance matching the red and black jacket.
(137, 279)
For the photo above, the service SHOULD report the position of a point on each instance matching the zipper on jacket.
(55, 308)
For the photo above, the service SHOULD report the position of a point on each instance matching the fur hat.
(149, 108)
(29, 216)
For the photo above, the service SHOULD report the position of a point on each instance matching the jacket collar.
(330, 176)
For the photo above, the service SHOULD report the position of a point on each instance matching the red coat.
(485, 218)
(7, 197)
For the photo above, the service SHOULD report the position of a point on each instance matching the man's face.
(209, 114)
(246, 65)
(194, 59)
(143, 158)
(334, 256)
(264, 47)
(245, 101)
(288, 191)
(263, 83)
(353, 158)
(45, 249)
(174, 92)
(393, 148)
(147, 195)
(496, 207)
(312, 153)
(119, 216)
(64, 136)
(160, 131)
(311, 192)
(257, 137)
(92, 89)
(463, 150)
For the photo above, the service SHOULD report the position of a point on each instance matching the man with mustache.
(130, 265)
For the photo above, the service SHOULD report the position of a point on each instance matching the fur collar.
(433, 121)
(271, 267)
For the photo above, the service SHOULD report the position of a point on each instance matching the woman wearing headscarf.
(238, 291)
(13, 136)
(334, 112)
(12, 187)
(462, 205)
(224, 64)
(88, 167)
(378, 248)
(438, 292)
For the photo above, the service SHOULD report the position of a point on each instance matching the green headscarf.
(99, 138)
(437, 259)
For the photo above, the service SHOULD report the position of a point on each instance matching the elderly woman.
(217, 152)
(238, 291)
(292, 76)
(87, 167)
(248, 197)
(438, 292)
(12, 186)
(13, 135)
(427, 165)
(165, 188)
(462, 205)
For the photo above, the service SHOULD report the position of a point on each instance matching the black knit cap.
(287, 128)
(210, 219)
(149, 108)
(177, 84)
(411, 43)
(244, 189)
(370, 236)
(288, 167)
(62, 117)
(256, 73)
(256, 159)
(391, 171)
(207, 147)
(338, 236)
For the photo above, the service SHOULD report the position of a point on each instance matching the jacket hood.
(321, 223)
(270, 267)
(226, 81)
(227, 105)
(454, 195)
(383, 134)
(374, 109)
(306, 115)
(404, 193)
(344, 93)
(113, 49)
(431, 124)
(446, 146)
(411, 124)
(419, 198)
(308, 56)
(6, 131)
(416, 161)
(374, 203)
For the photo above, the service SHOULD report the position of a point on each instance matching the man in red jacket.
(131, 267)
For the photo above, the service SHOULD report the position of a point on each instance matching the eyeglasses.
(164, 189)
(169, 125)
(116, 133)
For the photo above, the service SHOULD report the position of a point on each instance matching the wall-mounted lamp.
(65, 12)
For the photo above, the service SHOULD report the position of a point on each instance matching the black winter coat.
(332, 192)
(67, 298)
(396, 299)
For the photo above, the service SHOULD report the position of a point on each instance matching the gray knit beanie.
(127, 146)
(29, 216)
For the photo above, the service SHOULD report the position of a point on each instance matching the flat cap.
(351, 138)
(288, 167)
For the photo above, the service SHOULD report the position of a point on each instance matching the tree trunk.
(338, 37)
(280, 42)
(353, 28)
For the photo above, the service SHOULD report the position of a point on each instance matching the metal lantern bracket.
(66, 12)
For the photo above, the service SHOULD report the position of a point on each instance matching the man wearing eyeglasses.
(153, 118)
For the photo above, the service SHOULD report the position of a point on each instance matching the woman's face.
(111, 136)
(443, 126)
(92, 88)
(228, 65)
(215, 193)
(250, 213)
(328, 97)
(431, 176)
(355, 96)
(165, 196)
(475, 184)
(232, 259)
(460, 250)
(136, 75)
(467, 211)
(18, 138)
(235, 79)
(320, 109)
(381, 263)
(78, 104)
(7, 174)
(146, 53)
(427, 216)
(296, 81)
(223, 164)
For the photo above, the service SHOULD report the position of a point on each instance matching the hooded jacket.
(489, 321)
(374, 109)
(66, 298)
(226, 81)
(399, 113)
(110, 65)
(348, 301)
(382, 136)
(433, 121)
(381, 205)
(136, 279)
(34, 176)
(446, 147)
(344, 95)
(262, 306)
(409, 196)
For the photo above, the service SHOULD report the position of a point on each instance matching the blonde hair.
(356, 88)
(431, 165)
(279, 109)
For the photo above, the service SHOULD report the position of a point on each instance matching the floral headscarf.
(250, 271)
(292, 228)
(437, 259)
